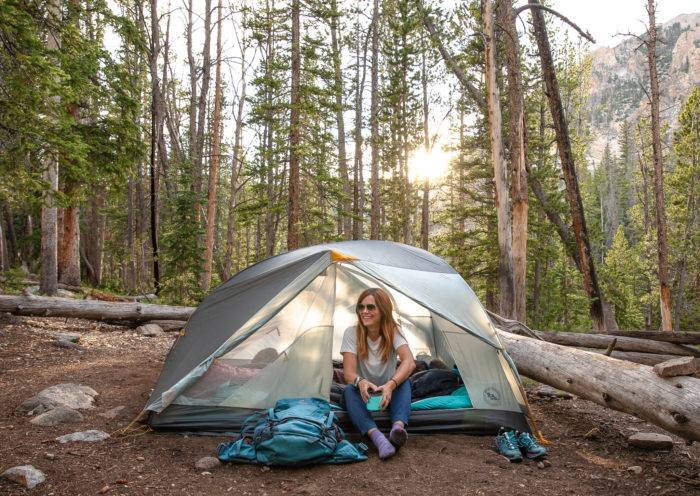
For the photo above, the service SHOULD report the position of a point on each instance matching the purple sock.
(398, 435)
(386, 450)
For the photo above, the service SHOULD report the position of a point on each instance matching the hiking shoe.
(507, 445)
(529, 447)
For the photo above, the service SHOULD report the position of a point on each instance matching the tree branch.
(450, 60)
(580, 31)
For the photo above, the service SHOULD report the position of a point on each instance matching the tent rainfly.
(273, 330)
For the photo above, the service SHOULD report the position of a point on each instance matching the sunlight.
(433, 165)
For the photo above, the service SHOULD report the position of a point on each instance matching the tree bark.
(601, 314)
(505, 240)
(93, 239)
(294, 133)
(673, 404)
(214, 162)
(374, 125)
(662, 246)
(344, 209)
(518, 157)
(69, 244)
(49, 213)
(676, 337)
(425, 211)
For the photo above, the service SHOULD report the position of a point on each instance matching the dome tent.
(273, 330)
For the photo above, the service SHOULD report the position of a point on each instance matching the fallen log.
(45, 306)
(650, 359)
(169, 325)
(669, 337)
(603, 341)
(673, 404)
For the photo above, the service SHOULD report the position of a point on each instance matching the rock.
(56, 416)
(141, 458)
(85, 436)
(635, 469)
(547, 463)
(650, 441)
(540, 465)
(62, 343)
(545, 391)
(103, 490)
(593, 434)
(113, 413)
(207, 463)
(50, 456)
(206, 473)
(64, 293)
(150, 330)
(24, 475)
(678, 366)
(30, 290)
(70, 395)
(66, 336)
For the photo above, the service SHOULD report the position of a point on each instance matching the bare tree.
(662, 246)
(358, 179)
(505, 240)
(518, 157)
(600, 311)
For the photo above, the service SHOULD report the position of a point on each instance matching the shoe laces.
(526, 441)
(508, 440)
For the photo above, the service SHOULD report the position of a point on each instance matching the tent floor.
(230, 420)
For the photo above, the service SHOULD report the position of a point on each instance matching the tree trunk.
(93, 238)
(344, 220)
(425, 212)
(505, 240)
(236, 164)
(518, 157)
(49, 213)
(156, 130)
(214, 163)
(601, 314)
(202, 109)
(673, 404)
(13, 255)
(374, 125)
(358, 179)
(662, 247)
(294, 133)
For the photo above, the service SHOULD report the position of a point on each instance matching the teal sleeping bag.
(458, 399)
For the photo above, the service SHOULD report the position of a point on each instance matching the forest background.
(161, 147)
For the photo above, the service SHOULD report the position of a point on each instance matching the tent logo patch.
(492, 395)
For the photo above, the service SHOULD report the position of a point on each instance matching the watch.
(357, 381)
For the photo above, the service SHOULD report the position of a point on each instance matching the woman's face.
(369, 312)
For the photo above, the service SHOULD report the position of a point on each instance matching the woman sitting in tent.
(370, 352)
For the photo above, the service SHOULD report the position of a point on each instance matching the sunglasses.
(370, 307)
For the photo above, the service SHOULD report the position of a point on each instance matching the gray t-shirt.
(373, 368)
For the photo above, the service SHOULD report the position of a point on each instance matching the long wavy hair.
(387, 324)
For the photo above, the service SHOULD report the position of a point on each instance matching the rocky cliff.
(620, 79)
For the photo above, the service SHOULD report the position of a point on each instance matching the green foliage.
(620, 280)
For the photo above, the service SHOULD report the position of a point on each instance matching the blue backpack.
(297, 431)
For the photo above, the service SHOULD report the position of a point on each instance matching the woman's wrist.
(396, 384)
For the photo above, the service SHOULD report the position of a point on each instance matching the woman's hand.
(387, 390)
(365, 387)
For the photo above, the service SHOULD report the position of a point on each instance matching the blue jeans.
(399, 407)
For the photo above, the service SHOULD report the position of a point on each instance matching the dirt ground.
(122, 367)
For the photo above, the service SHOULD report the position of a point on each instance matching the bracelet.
(357, 381)
(392, 379)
